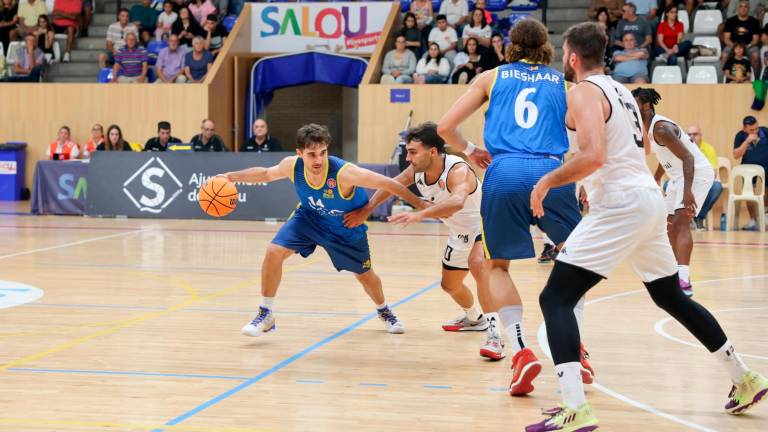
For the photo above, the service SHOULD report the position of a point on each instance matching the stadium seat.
(2, 53)
(706, 22)
(496, 5)
(682, 15)
(436, 5)
(698, 74)
(748, 173)
(229, 22)
(405, 5)
(153, 49)
(515, 18)
(11, 59)
(667, 75)
(524, 5)
(151, 76)
(708, 41)
(105, 75)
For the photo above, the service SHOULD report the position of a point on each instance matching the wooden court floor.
(138, 330)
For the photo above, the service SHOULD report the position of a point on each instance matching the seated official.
(207, 140)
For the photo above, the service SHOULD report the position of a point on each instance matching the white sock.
(732, 362)
(512, 317)
(267, 302)
(473, 312)
(579, 312)
(685, 272)
(571, 387)
(382, 306)
(493, 323)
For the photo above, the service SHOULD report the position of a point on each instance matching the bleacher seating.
(682, 15)
(705, 22)
(711, 42)
(702, 74)
(667, 75)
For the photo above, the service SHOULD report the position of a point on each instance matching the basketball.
(218, 197)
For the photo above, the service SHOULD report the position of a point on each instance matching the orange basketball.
(218, 197)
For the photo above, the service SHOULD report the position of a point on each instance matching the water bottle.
(723, 222)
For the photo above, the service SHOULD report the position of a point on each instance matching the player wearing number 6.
(525, 134)
(327, 188)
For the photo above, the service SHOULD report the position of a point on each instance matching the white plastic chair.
(706, 21)
(682, 15)
(711, 42)
(706, 74)
(747, 173)
(11, 58)
(667, 75)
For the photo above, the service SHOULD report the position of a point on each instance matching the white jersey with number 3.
(673, 165)
(466, 220)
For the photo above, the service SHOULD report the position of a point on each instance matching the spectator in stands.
(163, 138)
(63, 148)
(30, 61)
(433, 68)
(186, 27)
(480, 4)
(613, 7)
(744, 29)
(495, 56)
(144, 17)
(66, 19)
(738, 69)
(647, 9)
(399, 64)
(9, 18)
(631, 63)
(132, 60)
(178, 4)
(170, 62)
(694, 132)
(478, 28)
(116, 33)
(115, 141)
(96, 139)
(413, 37)
(604, 23)
(197, 62)
(730, 8)
(261, 141)
(86, 17)
(631, 23)
(165, 21)
(468, 63)
(751, 146)
(29, 12)
(215, 34)
(45, 39)
(669, 37)
(603, 19)
(456, 12)
(445, 37)
(200, 9)
(207, 140)
(422, 9)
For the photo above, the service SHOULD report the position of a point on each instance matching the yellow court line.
(79, 424)
(193, 298)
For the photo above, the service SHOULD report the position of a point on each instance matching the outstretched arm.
(461, 182)
(359, 216)
(366, 178)
(667, 134)
(468, 103)
(263, 174)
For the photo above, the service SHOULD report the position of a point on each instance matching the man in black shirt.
(163, 138)
(742, 28)
(207, 140)
(261, 141)
(215, 34)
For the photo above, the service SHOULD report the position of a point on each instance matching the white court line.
(65, 245)
(544, 345)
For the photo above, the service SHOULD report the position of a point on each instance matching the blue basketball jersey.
(526, 111)
(324, 203)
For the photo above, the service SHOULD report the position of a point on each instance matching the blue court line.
(284, 363)
(301, 381)
(15, 289)
(438, 387)
(372, 385)
(155, 308)
(129, 373)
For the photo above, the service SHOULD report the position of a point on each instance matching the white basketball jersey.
(466, 220)
(673, 166)
(624, 166)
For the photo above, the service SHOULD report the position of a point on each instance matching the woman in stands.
(603, 19)
(496, 56)
(200, 9)
(115, 141)
(478, 29)
(422, 9)
(468, 62)
(413, 38)
(97, 139)
(433, 68)
(44, 33)
(669, 37)
(399, 64)
(186, 27)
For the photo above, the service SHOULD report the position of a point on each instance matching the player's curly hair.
(312, 134)
(647, 95)
(528, 40)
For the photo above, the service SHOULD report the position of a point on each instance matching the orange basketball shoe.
(525, 368)
(587, 373)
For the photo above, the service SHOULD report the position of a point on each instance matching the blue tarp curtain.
(272, 73)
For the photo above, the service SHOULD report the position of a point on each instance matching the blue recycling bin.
(13, 156)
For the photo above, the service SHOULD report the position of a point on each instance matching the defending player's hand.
(538, 194)
(406, 219)
(356, 217)
(689, 201)
(225, 175)
(480, 157)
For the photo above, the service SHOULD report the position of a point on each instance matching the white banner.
(351, 28)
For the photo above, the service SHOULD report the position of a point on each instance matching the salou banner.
(351, 28)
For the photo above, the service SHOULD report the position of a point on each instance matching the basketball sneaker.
(687, 287)
(493, 348)
(564, 419)
(747, 394)
(394, 325)
(587, 373)
(263, 323)
(465, 324)
(525, 368)
(548, 254)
